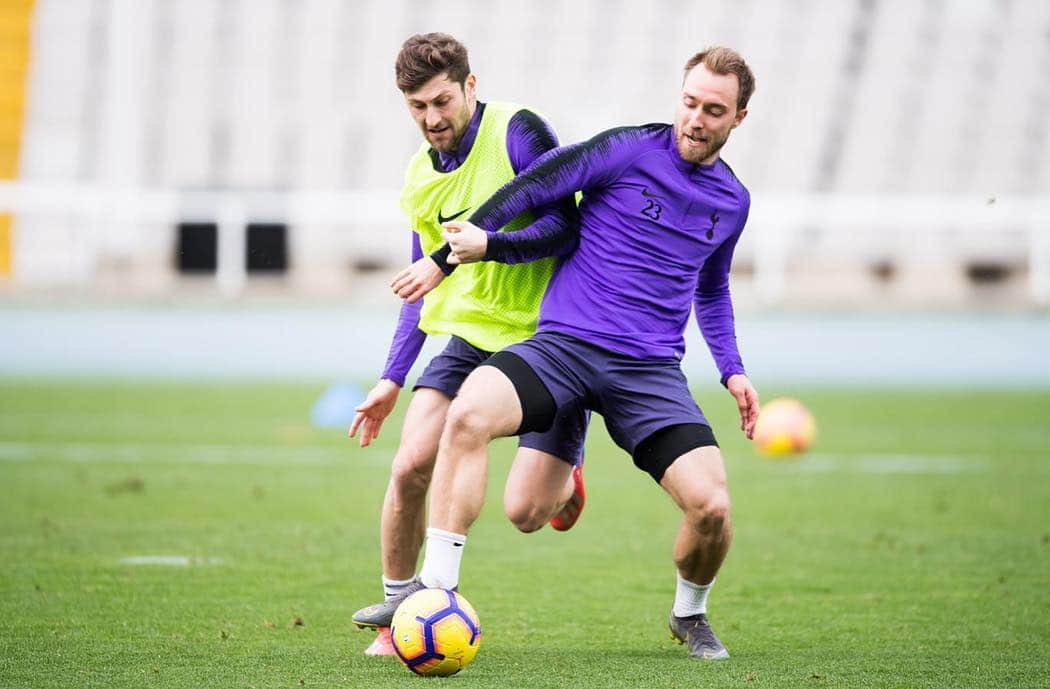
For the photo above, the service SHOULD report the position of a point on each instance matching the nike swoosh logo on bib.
(443, 219)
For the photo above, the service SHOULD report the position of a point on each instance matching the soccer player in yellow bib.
(470, 150)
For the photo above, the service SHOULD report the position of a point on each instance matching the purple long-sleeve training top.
(528, 136)
(656, 233)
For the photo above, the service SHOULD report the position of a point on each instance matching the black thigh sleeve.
(662, 448)
(538, 408)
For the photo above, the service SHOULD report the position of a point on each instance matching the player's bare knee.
(525, 517)
(709, 512)
(411, 472)
(465, 425)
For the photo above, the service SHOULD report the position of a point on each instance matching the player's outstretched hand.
(468, 242)
(413, 283)
(373, 411)
(746, 401)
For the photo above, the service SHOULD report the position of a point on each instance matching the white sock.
(690, 599)
(441, 561)
(394, 587)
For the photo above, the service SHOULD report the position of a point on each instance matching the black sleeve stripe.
(554, 168)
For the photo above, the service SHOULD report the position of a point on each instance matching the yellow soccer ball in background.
(435, 632)
(784, 427)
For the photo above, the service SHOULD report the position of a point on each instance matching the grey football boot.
(382, 614)
(696, 631)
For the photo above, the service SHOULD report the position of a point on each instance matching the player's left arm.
(404, 350)
(713, 305)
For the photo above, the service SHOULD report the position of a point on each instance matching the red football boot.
(382, 645)
(566, 519)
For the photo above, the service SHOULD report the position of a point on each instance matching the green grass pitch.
(910, 549)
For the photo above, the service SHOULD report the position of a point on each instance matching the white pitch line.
(891, 463)
(143, 453)
(267, 455)
(170, 560)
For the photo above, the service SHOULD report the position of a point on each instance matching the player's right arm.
(554, 230)
(557, 174)
(404, 350)
(713, 306)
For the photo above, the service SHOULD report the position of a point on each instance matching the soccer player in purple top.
(470, 149)
(660, 216)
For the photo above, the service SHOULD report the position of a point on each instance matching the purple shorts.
(447, 371)
(637, 397)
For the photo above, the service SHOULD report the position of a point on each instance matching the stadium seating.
(898, 149)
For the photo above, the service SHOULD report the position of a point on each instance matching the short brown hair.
(727, 61)
(425, 56)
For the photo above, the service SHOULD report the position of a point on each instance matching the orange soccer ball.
(784, 428)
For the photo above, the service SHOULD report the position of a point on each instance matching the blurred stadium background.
(225, 172)
(198, 221)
